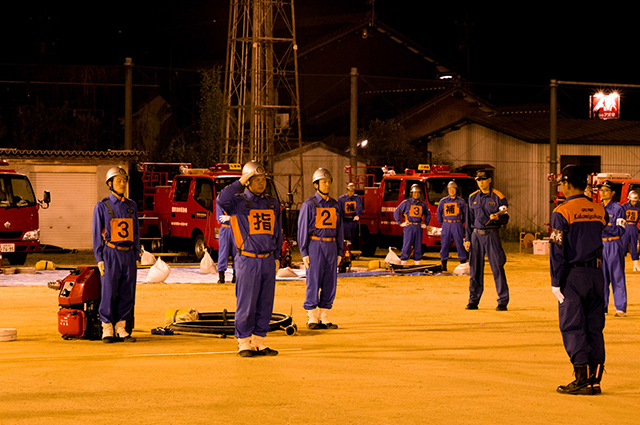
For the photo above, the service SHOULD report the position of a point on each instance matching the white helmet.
(321, 173)
(633, 196)
(253, 166)
(116, 171)
(416, 188)
(452, 184)
(351, 186)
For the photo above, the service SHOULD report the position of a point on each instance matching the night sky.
(516, 47)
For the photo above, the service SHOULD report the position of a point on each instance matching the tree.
(388, 145)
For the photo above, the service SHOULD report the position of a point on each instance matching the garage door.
(67, 221)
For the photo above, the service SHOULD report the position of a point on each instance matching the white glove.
(277, 265)
(404, 224)
(223, 218)
(101, 268)
(636, 266)
(339, 259)
(356, 218)
(424, 226)
(621, 222)
(305, 261)
(558, 293)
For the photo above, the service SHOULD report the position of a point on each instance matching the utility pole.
(353, 127)
(128, 104)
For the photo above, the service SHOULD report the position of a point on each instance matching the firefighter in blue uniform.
(226, 245)
(613, 252)
(351, 207)
(116, 247)
(413, 215)
(257, 231)
(486, 213)
(320, 239)
(575, 255)
(630, 238)
(451, 214)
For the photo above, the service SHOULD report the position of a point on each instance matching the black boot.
(444, 265)
(595, 376)
(220, 277)
(581, 385)
(233, 279)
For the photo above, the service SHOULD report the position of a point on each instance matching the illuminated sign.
(605, 106)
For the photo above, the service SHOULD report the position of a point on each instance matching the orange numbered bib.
(632, 215)
(261, 222)
(326, 218)
(350, 207)
(415, 211)
(451, 209)
(121, 230)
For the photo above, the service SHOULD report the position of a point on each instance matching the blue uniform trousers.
(322, 274)
(581, 316)
(630, 241)
(489, 244)
(411, 238)
(118, 285)
(226, 247)
(452, 231)
(613, 269)
(255, 290)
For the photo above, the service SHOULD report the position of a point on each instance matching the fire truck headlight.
(32, 235)
(434, 231)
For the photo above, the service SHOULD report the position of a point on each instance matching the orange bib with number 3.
(121, 230)
(326, 218)
(415, 211)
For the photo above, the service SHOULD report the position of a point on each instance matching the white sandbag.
(462, 270)
(147, 259)
(392, 258)
(286, 272)
(159, 272)
(178, 316)
(207, 265)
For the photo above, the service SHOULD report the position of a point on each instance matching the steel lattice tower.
(262, 116)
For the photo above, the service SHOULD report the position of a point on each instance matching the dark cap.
(605, 183)
(482, 175)
(575, 175)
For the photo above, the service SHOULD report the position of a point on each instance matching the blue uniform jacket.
(413, 211)
(451, 209)
(612, 230)
(576, 237)
(327, 225)
(481, 206)
(128, 233)
(350, 206)
(256, 220)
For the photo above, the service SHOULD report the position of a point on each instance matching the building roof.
(31, 153)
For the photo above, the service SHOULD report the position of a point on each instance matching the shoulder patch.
(497, 192)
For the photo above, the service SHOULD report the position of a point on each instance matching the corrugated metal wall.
(521, 168)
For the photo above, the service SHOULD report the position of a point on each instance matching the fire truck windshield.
(16, 191)
(436, 188)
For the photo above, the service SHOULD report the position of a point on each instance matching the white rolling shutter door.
(67, 221)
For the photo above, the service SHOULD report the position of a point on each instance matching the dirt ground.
(406, 352)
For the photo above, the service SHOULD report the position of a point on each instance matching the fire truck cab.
(180, 215)
(20, 234)
(381, 198)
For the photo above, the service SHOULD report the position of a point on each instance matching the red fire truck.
(380, 199)
(20, 232)
(179, 215)
(623, 183)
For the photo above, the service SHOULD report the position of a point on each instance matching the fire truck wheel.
(16, 259)
(199, 247)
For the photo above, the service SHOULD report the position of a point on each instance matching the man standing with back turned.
(577, 280)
